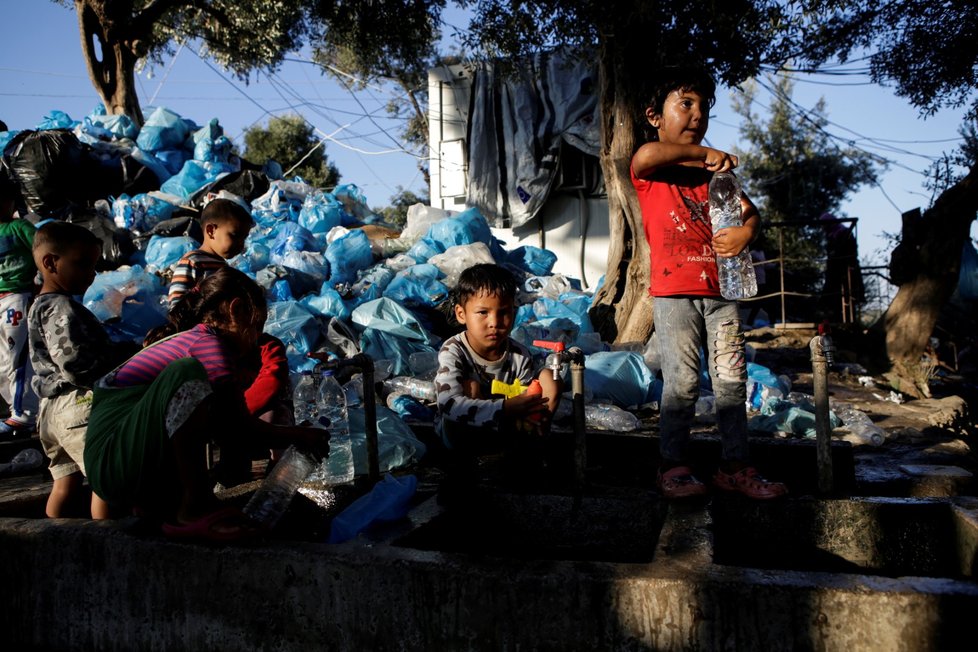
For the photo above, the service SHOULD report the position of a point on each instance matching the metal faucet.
(554, 362)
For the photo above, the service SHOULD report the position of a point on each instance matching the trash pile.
(338, 279)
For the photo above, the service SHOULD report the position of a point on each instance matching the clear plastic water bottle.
(610, 417)
(304, 399)
(423, 390)
(737, 278)
(273, 497)
(331, 414)
(860, 426)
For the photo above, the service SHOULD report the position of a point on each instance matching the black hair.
(58, 237)
(485, 278)
(667, 79)
(209, 302)
(219, 211)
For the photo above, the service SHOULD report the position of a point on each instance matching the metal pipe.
(580, 430)
(822, 350)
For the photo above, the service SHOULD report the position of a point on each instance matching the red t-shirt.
(676, 217)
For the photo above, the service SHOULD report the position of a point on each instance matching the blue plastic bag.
(534, 260)
(193, 176)
(319, 214)
(162, 252)
(621, 377)
(761, 383)
(132, 298)
(56, 120)
(467, 227)
(397, 445)
(388, 500)
(347, 255)
(327, 303)
(163, 129)
(298, 328)
(389, 317)
(288, 237)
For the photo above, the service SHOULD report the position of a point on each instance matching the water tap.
(822, 345)
(555, 359)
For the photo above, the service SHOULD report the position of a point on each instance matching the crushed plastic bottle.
(737, 277)
(423, 390)
(331, 414)
(861, 428)
(601, 416)
(273, 497)
(423, 364)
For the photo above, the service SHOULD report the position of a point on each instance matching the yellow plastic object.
(499, 388)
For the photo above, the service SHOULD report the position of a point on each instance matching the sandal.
(679, 482)
(223, 526)
(750, 483)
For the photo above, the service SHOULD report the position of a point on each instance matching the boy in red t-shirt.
(671, 175)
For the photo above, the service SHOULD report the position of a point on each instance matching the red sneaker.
(679, 482)
(750, 483)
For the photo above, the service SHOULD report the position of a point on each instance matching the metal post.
(821, 348)
(580, 429)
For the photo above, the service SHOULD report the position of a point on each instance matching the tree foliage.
(241, 35)
(927, 50)
(291, 142)
(396, 213)
(795, 172)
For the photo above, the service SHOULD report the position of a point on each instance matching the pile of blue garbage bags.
(336, 276)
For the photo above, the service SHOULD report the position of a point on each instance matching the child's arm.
(652, 156)
(273, 376)
(182, 281)
(456, 403)
(732, 240)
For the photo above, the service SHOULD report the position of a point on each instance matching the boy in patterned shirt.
(70, 351)
(471, 420)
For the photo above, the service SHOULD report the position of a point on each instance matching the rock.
(947, 412)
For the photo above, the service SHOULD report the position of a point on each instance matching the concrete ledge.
(85, 585)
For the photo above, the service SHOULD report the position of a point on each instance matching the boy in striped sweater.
(225, 224)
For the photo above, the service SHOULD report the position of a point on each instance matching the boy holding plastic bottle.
(472, 418)
(671, 174)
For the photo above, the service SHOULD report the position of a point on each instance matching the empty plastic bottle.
(609, 417)
(737, 279)
(272, 499)
(304, 399)
(331, 414)
(860, 426)
(420, 389)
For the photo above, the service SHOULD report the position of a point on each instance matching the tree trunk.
(110, 55)
(929, 255)
(622, 309)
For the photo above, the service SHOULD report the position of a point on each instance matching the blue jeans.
(684, 325)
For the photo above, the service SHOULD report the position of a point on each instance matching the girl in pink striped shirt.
(153, 416)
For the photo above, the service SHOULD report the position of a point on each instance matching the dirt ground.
(929, 447)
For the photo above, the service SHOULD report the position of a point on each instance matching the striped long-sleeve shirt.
(190, 270)
(200, 342)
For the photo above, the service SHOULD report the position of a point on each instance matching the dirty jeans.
(684, 325)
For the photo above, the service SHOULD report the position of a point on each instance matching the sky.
(41, 69)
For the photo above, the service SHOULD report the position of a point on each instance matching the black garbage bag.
(179, 225)
(47, 165)
(246, 183)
